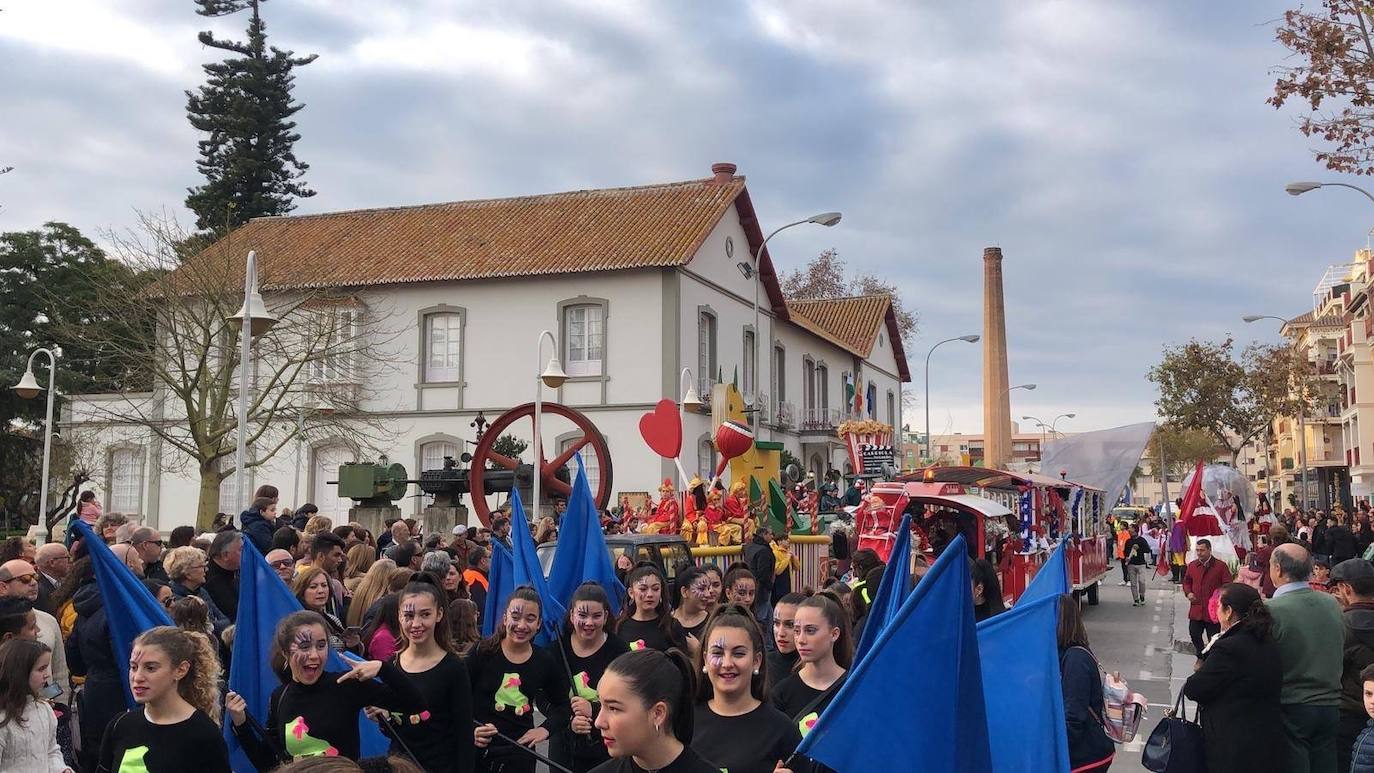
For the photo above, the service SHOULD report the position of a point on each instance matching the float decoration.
(869, 444)
(661, 429)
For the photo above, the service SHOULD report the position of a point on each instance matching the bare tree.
(321, 359)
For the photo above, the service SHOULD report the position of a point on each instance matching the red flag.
(1192, 497)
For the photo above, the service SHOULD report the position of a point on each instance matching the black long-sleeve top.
(586, 674)
(504, 693)
(440, 737)
(307, 720)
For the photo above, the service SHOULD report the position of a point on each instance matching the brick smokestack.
(724, 172)
(996, 398)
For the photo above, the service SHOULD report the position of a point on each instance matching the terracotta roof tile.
(590, 230)
(852, 323)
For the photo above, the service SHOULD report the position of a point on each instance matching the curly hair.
(200, 686)
(317, 524)
(179, 560)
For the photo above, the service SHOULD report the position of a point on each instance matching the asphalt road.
(1138, 642)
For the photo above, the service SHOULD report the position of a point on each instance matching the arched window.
(126, 481)
(589, 460)
(706, 458)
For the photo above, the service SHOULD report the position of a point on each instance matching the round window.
(729, 247)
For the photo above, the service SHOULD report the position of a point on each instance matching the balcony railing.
(787, 415)
(820, 419)
(704, 387)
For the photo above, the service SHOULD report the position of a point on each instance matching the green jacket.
(1309, 632)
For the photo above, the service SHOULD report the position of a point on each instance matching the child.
(28, 726)
(1362, 755)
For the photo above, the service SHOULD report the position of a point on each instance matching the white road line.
(1154, 629)
(1149, 650)
(1146, 675)
(1156, 616)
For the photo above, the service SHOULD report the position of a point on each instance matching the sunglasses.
(282, 563)
(24, 578)
(157, 542)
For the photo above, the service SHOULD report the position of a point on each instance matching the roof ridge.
(864, 296)
(499, 199)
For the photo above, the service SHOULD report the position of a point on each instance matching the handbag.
(1175, 745)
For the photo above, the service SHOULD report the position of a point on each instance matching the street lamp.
(1295, 189)
(255, 320)
(1299, 188)
(691, 401)
(28, 388)
(826, 219)
(553, 378)
(971, 338)
(1057, 418)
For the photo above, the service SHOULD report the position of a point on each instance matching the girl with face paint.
(509, 675)
(695, 601)
(314, 711)
(440, 737)
(174, 677)
(646, 620)
(736, 728)
(589, 647)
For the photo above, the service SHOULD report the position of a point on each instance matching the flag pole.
(525, 748)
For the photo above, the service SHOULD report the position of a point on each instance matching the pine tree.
(245, 107)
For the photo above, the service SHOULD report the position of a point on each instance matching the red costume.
(666, 515)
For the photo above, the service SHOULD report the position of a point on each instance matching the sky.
(1121, 154)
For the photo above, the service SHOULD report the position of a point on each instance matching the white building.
(635, 283)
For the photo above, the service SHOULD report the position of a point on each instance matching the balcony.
(820, 420)
(704, 387)
(787, 415)
(1287, 463)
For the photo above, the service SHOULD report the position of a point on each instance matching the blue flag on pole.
(919, 690)
(581, 554)
(1019, 651)
(892, 591)
(528, 571)
(129, 608)
(500, 583)
(1052, 579)
(264, 600)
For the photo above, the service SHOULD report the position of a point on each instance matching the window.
(589, 460)
(584, 334)
(443, 347)
(338, 332)
(126, 481)
(706, 458)
(779, 373)
(823, 389)
(228, 490)
(432, 454)
(808, 386)
(891, 408)
(871, 400)
(706, 346)
(328, 459)
(748, 369)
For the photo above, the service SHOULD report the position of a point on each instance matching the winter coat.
(90, 654)
(1362, 756)
(758, 555)
(217, 619)
(1238, 689)
(1083, 707)
(31, 747)
(1358, 652)
(257, 529)
(1202, 582)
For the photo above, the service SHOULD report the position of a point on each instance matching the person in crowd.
(108, 525)
(162, 592)
(758, 556)
(89, 655)
(148, 542)
(1137, 564)
(1321, 575)
(398, 533)
(282, 563)
(407, 555)
(28, 725)
(1340, 542)
(500, 530)
(374, 584)
(587, 648)
(475, 577)
(1205, 575)
(1237, 686)
(509, 677)
(782, 658)
(854, 495)
(350, 534)
(53, 562)
(735, 726)
(190, 614)
(1352, 585)
(381, 636)
(452, 579)
(865, 560)
(180, 537)
(188, 570)
(1309, 632)
(441, 737)
(319, 524)
(695, 600)
(987, 591)
(288, 539)
(311, 588)
(357, 561)
(1122, 536)
(825, 651)
(647, 716)
(302, 515)
(174, 678)
(436, 564)
(1177, 546)
(1090, 750)
(463, 616)
(741, 587)
(19, 579)
(785, 565)
(259, 523)
(646, 619)
(222, 572)
(1364, 533)
(314, 711)
(1362, 755)
(327, 552)
(82, 571)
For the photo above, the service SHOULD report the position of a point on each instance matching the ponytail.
(200, 686)
(834, 614)
(661, 677)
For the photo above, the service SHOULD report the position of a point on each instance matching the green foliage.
(244, 108)
(1183, 447)
(509, 445)
(786, 458)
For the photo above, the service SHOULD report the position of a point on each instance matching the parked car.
(667, 550)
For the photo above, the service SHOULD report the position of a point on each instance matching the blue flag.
(264, 601)
(130, 609)
(919, 690)
(1052, 579)
(528, 571)
(1019, 650)
(892, 591)
(581, 554)
(500, 583)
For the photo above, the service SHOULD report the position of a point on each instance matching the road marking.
(1156, 616)
(1146, 675)
(1154, 629)
(1149, 650)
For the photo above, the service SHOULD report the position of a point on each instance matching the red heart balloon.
(661, 428)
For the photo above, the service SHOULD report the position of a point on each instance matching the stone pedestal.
(373, 518)
(440, 519)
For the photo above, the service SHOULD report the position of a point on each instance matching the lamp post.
(28, 388)
(691, 401)
(1055, 422)
(826, 219)
(1302, 421)
(1299, 188)
(255, 320)
(1043, 426)
(971, 338)
(553, 378)
(1009, 390)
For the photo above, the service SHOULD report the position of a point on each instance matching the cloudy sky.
(1121, 155)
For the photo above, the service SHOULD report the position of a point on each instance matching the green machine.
(372, 484)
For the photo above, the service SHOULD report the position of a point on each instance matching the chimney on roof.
(724, 172)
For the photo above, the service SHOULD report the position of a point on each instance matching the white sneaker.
(1123, 583)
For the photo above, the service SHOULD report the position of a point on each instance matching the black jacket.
(45, 589)
(1341, 542)
(217, 618)
(257, 529)
(1358, 653)
(223, 587)
(758, 556)
(1083, 707)
(1238, 689)
(90, 654)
